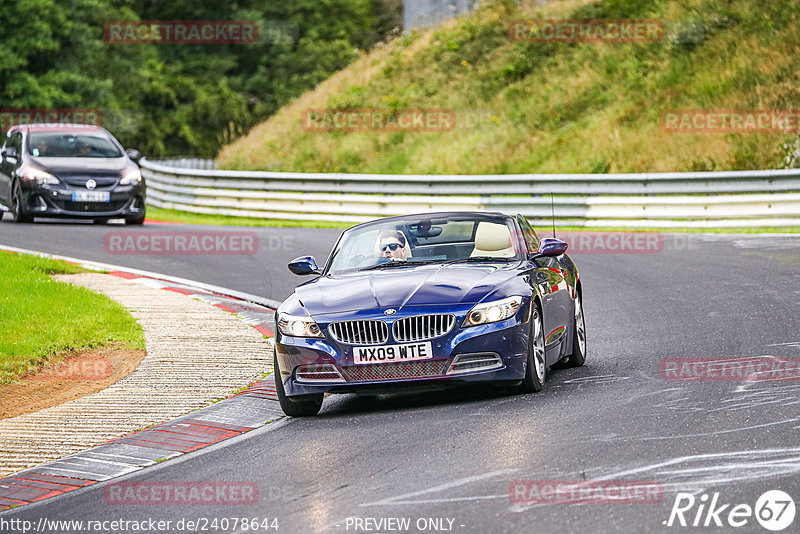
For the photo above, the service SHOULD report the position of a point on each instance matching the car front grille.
(395, 371)
(363, 332)
(69, 205)
(420, 327)
(102, 185)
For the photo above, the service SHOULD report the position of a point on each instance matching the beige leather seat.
(493, 239)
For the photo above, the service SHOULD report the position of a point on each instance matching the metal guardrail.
(680, 199)
(188, 162)
(426, 13)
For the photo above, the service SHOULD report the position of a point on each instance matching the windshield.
(440, 239)
(72, 145)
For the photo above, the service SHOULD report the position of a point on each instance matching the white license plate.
(393, 353)
(91, 196)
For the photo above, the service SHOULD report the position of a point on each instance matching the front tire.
(17, 211)
(536, 370)
(578, 356)
(136, 220)
(305, 406)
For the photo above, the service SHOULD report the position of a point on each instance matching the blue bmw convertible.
(427, 301)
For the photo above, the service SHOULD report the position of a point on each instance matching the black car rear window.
(72, 145)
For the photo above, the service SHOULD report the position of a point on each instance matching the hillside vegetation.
(553, 107)
(177, 99)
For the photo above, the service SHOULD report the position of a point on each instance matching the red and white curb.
(240, 413)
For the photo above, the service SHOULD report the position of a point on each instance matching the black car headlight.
(296, 326)
(492, 312)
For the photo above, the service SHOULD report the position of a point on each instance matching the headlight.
(131, 177)
(291, 325)
(491, 312)
(41, 177)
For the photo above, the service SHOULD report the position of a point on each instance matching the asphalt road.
(454, 456)
(259, 270)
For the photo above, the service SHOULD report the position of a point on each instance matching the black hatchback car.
(69, 170)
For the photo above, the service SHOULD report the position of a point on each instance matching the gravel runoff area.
(196, 354)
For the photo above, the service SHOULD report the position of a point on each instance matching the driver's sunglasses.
(393, 246)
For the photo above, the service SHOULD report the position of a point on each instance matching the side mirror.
(550, 246)
(9, 152)
(304, 265)
(134, 154)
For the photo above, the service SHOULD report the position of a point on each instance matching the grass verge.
(40, 318)
(168, 215)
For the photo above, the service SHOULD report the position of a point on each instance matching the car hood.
(78, 170)
(404, 286)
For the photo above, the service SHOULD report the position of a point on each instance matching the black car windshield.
(398, 243)
(72, 145)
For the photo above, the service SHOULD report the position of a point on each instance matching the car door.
(557, 304)
(8, 165)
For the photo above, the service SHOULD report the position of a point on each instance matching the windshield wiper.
(387, 265)
(482, 259)
(393, 264)
(473, 259)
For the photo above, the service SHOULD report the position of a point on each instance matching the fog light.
(321, 372)
(41, 205)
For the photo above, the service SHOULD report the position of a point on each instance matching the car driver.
(392, 245)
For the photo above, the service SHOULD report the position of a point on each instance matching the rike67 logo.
(774, 510)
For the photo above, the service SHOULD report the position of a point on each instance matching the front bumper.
(43, 200)
(501, 346)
